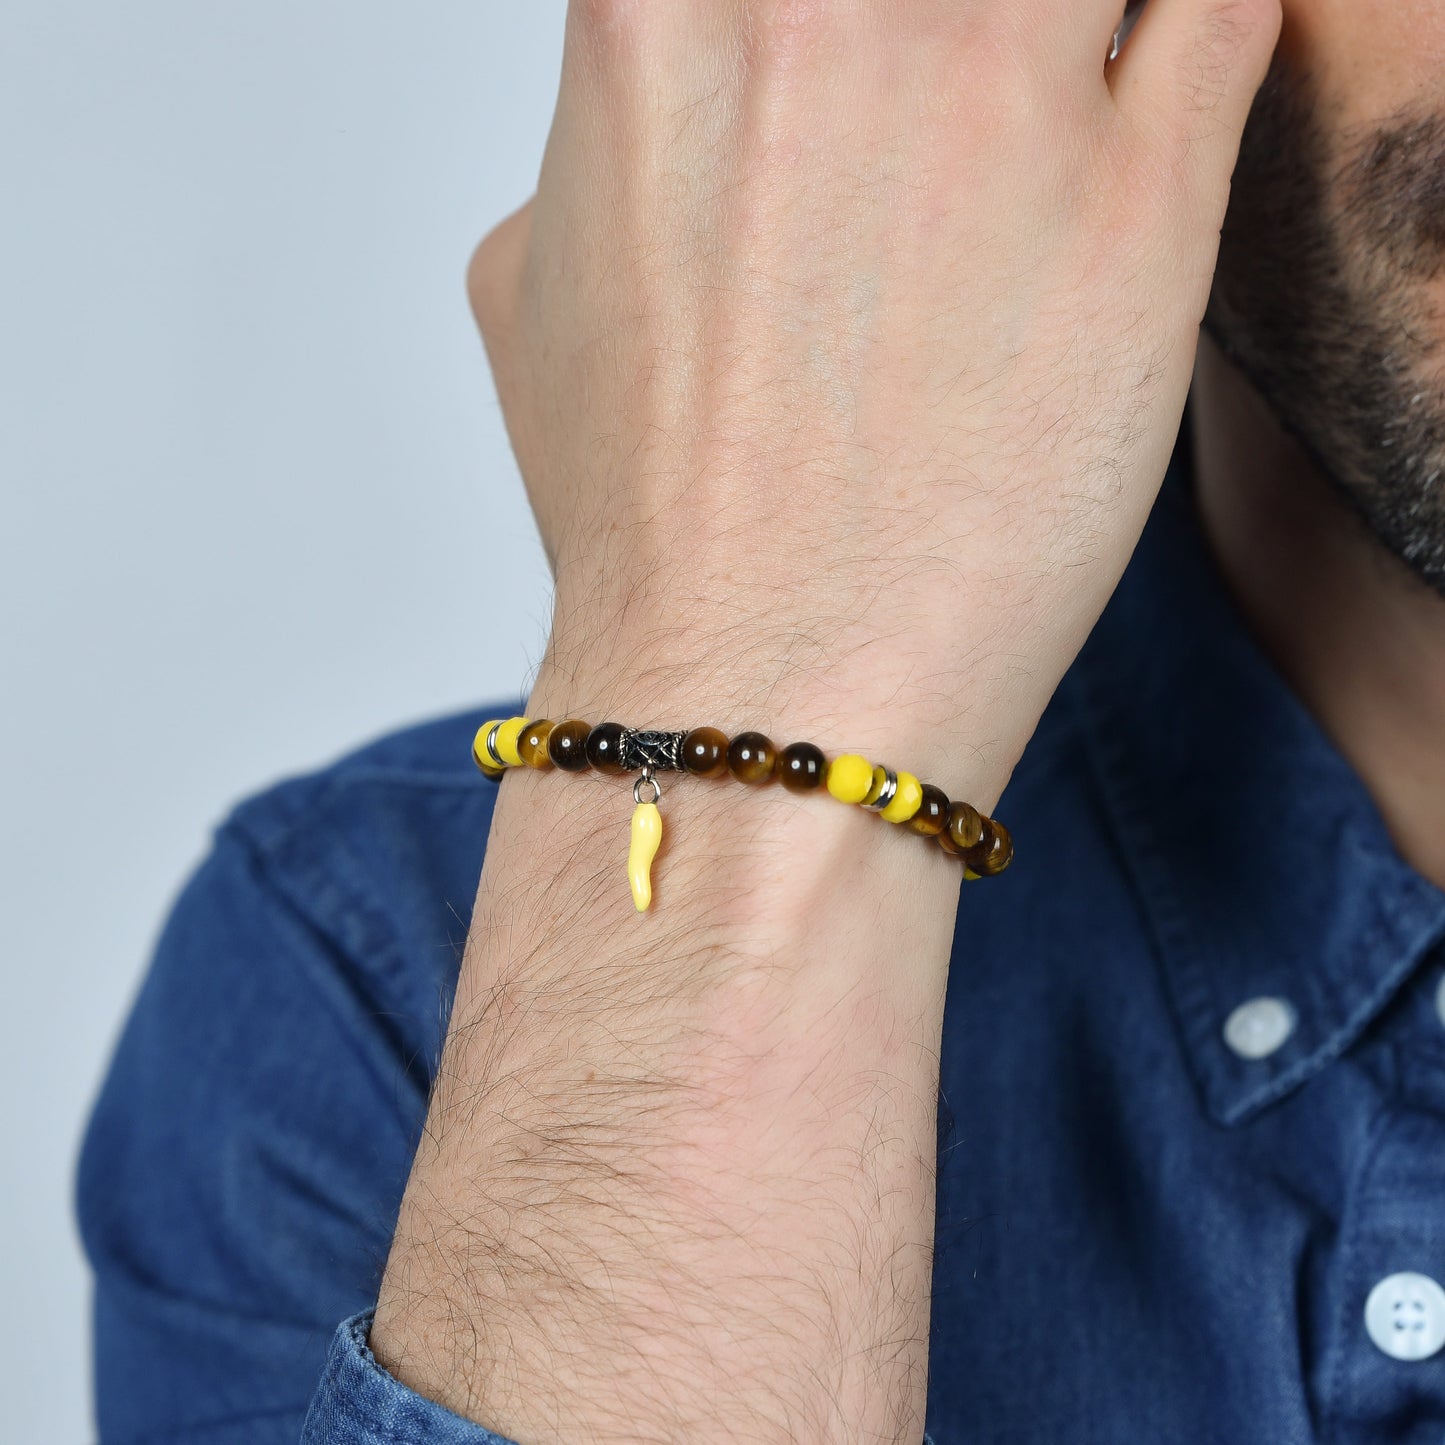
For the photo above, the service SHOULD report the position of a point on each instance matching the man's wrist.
(937, 724)
(678, 1170)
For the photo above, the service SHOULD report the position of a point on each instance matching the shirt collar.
(1260, 860)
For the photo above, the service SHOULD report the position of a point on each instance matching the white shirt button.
(1440, 999)
(1405, 1316)
(1257, 1028)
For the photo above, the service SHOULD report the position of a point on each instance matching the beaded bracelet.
(984, 845)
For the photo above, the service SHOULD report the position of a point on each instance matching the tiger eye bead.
(802, 767)
(964, 831)
(489, 770)
(752, 758)
(567, 745)
(992, 853)
(532, 744)
(604, 747)
(932, 815)
(705, 752)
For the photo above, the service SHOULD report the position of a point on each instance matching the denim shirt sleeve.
(358, 1403)
(242, 1166)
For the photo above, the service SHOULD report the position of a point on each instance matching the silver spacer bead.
(886, 795)
(492, 732)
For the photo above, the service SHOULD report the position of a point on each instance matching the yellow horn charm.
(646, 835)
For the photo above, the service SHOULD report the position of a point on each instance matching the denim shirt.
(1192, 1102)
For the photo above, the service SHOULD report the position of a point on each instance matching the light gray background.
(256, 500)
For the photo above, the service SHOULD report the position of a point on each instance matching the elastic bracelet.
(983, 845)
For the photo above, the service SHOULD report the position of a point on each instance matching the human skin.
(1318, 406)
(843, 349)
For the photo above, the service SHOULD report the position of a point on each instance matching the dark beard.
(1319, 300)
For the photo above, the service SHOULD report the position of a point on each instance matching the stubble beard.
(1327, 297)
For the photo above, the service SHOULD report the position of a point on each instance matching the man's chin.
(1335, 328)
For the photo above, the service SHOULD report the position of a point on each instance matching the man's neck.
(1361, 642)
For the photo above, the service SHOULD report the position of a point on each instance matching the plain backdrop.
(258, 503)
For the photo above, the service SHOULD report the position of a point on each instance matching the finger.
(1188, 74)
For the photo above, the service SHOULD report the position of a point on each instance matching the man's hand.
(843, 348)
(845, 341)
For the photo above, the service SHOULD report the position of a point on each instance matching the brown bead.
(932, 815)
(802, 767)
(604, 747)
(705, 752)
(752, 758)
(532, 744)
(964, 831)
(567, 745)
(992, 853)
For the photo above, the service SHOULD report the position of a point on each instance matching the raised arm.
(842, 347)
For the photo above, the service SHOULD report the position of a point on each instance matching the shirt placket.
(1383, 1375)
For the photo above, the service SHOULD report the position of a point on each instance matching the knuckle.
(801, 18)
(1002, 85)
(603, 17)
(787, 33)
(608, 39)
(492, 275)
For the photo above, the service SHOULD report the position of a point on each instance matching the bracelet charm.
(651, 749)
(646, 836)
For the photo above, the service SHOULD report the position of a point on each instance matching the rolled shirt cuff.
(358, 1403)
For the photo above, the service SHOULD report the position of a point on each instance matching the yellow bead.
(906, 801)
(507, 736)
(971, 876)
(480, 756)
(849, 778)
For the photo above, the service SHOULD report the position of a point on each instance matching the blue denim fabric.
(359, 1402)
(1142, 1237)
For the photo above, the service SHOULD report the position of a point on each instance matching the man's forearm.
(812, 353)
(677, 1179)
